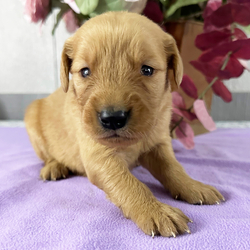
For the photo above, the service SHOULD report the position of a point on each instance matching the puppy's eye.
(147, 70)
(85, 72)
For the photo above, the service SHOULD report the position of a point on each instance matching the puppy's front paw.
(53, 170)
(161, 219)
(195, 192)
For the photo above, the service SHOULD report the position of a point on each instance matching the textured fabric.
(74, 214)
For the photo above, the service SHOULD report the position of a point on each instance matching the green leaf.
(180, 3)
(110, 5)
(87, 6)
(164, 2)
(246, 29)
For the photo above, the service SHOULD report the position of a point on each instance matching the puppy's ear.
(174, 62)
(66, 61)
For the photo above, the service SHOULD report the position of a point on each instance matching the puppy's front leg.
(135, 199)
(162, 164)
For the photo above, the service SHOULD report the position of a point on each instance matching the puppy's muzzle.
(113, 120)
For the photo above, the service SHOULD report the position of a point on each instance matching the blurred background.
(30, 60)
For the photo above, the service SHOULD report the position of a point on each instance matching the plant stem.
(213, 81)
(176, 125)
(205, 90)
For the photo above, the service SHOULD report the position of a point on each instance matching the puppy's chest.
(131, 157)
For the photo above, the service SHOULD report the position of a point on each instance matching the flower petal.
(213, 68)
(231, 13)
(178, 100)
(71, 21)
(239, 34)
(185, 134)
(203, 116)
(153, 11)
(185, 114)
(189, 87)
(239, 48)
(221, 90)
(37, 10)
(209, 69)
(210, 39)
(233, 69)
(212, 5)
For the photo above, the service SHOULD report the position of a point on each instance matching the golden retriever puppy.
(113, 115)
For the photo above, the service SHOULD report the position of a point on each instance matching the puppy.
(114, 114)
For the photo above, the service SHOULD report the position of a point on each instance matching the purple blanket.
(74, 214)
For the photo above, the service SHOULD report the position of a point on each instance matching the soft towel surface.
(74, 214)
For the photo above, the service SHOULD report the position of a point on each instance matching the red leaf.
(239, 34)
(222, 16)
(189, 87)
(233, 69)
(212, 5)
(209, 69)
(213, 68)
(208, 40)
(239, 48)
(203, 116)
(230, 13)
(185, 134)
(221, 90)
(153, 12)
(244, 2)
(178, 100)
(208, 26)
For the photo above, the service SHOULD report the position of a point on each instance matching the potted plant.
(220, 46)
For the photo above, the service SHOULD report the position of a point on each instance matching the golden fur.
(65, 132)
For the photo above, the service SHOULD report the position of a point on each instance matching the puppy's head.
(120, 64)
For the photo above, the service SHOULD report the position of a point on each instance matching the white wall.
(30, 61)
(30, 58)
(241, 84)
(30, 55)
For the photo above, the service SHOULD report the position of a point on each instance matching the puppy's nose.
(113, 119)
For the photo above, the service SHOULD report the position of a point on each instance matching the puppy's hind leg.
(53, 170)
(34, 128)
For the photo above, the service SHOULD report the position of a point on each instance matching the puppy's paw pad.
(53, 171)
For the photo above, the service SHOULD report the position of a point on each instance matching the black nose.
(113, 119)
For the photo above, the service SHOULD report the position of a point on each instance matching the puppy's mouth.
(116, 139)
(113, 136)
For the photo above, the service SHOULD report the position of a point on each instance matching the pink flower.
(185, 134)
(71, 22)
(203, 115)
(179, 107)
(37, 10)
